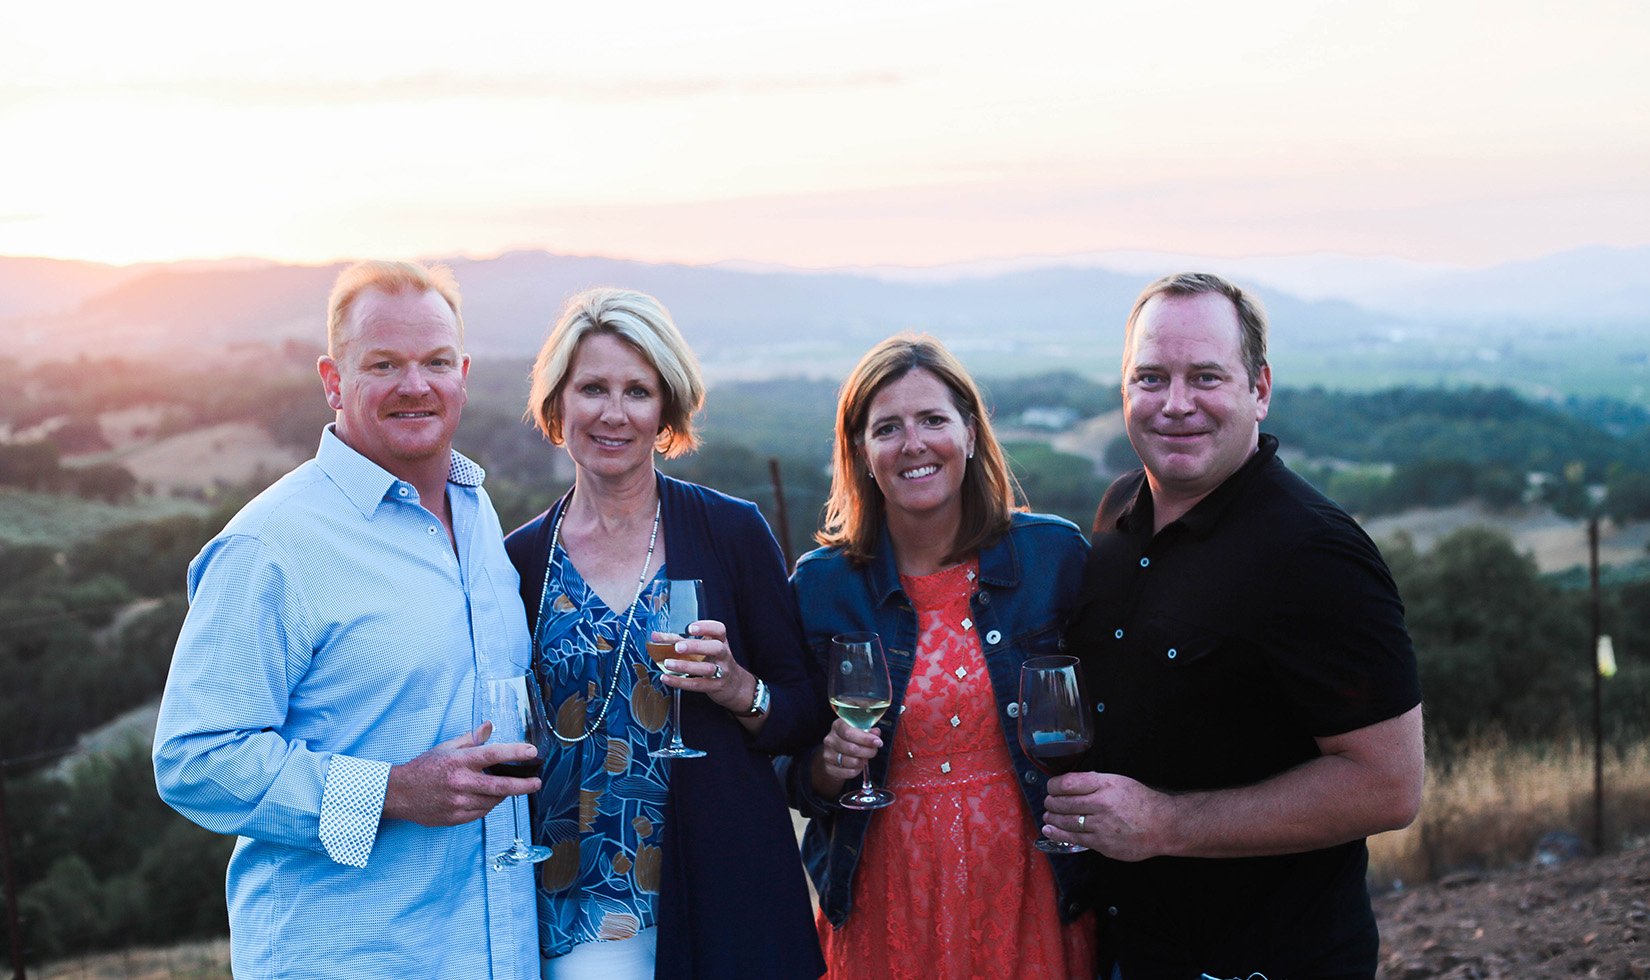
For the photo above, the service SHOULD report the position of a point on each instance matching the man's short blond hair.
(393, 278)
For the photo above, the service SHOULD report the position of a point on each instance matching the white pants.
(623, 959)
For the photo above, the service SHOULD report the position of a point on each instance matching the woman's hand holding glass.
(704, 664)
(843, 755)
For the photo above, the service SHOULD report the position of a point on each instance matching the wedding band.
(839, 760)
(718, 675)
(1080, 818)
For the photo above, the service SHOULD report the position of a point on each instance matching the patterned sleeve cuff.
(351, 805)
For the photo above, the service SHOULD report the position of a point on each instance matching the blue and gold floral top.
(602, 808)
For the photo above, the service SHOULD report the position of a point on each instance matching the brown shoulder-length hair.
(854, 512)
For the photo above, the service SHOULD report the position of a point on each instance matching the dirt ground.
(1586, 918)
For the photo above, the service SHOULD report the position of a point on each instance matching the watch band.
(759, 701)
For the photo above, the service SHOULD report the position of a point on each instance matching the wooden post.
(784, 528)
(1598, 691)
(14, 926)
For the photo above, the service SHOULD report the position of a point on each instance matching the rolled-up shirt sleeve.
(220, 758)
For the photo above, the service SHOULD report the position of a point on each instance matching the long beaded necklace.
(629, 619)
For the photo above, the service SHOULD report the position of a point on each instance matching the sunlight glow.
(868, 133)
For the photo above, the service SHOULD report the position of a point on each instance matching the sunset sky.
(854, 133)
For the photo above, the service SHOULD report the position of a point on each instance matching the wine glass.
(1054, 724)
(860, 692)
(670, 611)
(513, 704)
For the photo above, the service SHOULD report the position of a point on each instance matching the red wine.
(517, 770)
(1058, 756)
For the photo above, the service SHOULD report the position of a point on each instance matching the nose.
(1179, 401)
(613, 408)
(912, 443)
(413, 381)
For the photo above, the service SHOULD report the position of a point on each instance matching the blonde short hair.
(640, 321)
(393, 278)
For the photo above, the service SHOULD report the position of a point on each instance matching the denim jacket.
(1027, 588)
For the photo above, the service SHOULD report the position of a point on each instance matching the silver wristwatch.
(759, 703)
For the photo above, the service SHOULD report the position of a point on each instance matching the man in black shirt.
(1257, 706)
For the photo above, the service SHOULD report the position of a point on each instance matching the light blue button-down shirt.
(333, 632)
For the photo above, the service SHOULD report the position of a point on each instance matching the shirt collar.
(366, 484)
(1203, 517)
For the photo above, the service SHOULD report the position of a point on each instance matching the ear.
(1263, 392)
(331, 382)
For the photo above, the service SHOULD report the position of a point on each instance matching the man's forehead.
(1204, 316)
(384, 314)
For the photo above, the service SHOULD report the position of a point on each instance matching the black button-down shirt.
(1216, 652)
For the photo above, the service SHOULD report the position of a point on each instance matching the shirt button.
(1031, 777)
(1100, 708)
(1173, 653)
(994, 636)
(1118, 634)
(1013, 709)
(403, 491)
(984, 597)
(430, 530)
(1111, 911)
(1144, 562)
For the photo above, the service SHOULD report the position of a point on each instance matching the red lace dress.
(949, 885)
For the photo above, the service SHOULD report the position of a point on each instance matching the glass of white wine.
(860, 692)
(673, 608)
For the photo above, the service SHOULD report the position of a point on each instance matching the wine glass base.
(520, 854)
(676, 752)
(1056, 847)
(874, 799)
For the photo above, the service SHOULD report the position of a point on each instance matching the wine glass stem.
(865, 780)
(676, 718)
(515, 821)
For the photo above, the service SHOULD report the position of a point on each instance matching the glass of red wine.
(1054, 726)
(513, 704)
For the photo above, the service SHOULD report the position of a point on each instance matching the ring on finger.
(1081, 817)
(718, 675)
(839, 760)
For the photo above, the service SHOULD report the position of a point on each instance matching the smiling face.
(916, 444)
(1190, 408)
(397, 381)
(611, 405)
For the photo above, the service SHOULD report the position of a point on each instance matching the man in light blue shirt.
(319, 701)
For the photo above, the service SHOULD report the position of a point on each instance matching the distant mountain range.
(1028, 314)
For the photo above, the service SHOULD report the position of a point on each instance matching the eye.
(1207, 379)
(637, 391)
(935, 421)
(1147, 379)
(885, 429)
(591, 388)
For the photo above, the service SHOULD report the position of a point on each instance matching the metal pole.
(784, 528)
(1598, 692)
(13, 925)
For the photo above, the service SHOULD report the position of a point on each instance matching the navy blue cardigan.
(733, 902)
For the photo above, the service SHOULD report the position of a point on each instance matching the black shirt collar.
(1203, 517)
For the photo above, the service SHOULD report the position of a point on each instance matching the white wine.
(662, 650)
(858, 710)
